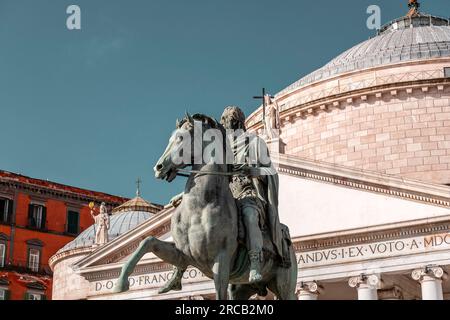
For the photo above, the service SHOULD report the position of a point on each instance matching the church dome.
(123, 219)
(381, 106)
(404, 39)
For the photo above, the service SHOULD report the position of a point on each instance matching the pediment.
(316, 200)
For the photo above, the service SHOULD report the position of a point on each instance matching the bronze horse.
(205, 230)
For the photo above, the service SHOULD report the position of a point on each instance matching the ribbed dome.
(124, 218)
(119, 224)
(404, 39)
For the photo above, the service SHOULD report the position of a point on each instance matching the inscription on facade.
(146, 281)
(376, 250)
(348, 254)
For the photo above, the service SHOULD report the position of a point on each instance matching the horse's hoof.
(121, 287)
(170, 287)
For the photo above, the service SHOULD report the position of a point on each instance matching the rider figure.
(249, 205)
(255, 189)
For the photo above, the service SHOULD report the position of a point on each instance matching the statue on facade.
(226, 223)
(101, 221)
(272, 118)
(413, 6)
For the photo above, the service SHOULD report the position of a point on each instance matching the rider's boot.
(174, 284)
(255, 266)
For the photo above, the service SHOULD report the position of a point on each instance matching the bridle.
(187, 173)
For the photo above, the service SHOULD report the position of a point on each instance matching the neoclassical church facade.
(363, 157)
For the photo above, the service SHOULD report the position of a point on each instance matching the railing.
(21, 266)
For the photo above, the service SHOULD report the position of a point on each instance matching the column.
(366, 285)
(430, 279)
(393, 293)
(308, 290)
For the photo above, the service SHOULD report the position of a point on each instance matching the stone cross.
(263, 97)
(138, 187)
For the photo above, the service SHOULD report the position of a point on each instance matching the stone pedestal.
(430, 279)
(273, 145)
(366, 285)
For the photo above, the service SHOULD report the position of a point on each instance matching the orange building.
(37, 218)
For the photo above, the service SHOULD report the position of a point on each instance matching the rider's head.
(233, 118)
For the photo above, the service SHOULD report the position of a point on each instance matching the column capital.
(434, 272)
(372, 281)
(308, 290)
(310, 287)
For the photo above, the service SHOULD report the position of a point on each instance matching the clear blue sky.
(94, 108)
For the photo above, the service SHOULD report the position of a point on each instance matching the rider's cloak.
(251, 151)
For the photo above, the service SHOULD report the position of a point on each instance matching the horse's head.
(180, 151)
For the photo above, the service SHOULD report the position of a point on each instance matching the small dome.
(123, 219)
(404, 39)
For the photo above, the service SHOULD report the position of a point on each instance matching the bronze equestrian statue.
(227, 223)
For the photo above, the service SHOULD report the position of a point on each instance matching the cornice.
(155, 265)
(392, 233)
(59, 256)
(346, 99)
(64, 195)
(285, 94)
(406, 189)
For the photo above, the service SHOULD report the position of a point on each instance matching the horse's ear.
(188, 116)
(206, 120)
(177, 124)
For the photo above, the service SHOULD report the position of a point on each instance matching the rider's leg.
(255, 241)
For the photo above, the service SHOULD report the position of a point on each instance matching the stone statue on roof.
(101, 221)
(272, 118)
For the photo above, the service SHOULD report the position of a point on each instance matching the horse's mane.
(206, 120)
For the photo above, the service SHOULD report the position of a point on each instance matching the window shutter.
(25, 296)
(72, 222)
(30, 215)
(2, 208)
(10, 210)
(44, 218)
(43, 297)
(7, 295)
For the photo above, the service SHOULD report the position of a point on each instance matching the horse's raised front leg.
(166, 251)
(221, 270)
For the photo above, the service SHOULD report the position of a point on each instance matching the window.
(34, 296)
(2, 294)
(73, 222)
(6, 207)
(2, 254)
(33, 259)
(447, 72)
(37, 216)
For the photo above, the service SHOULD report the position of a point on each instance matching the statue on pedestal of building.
(272, 118)
(101, 221)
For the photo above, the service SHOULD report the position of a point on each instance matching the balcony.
(21, 266)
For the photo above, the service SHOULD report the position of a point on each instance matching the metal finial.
(138, 187)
